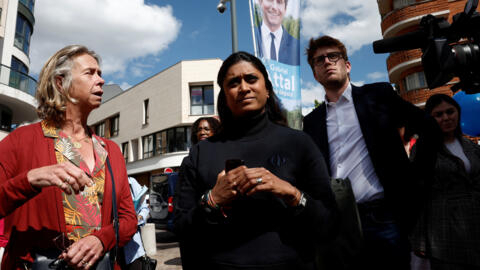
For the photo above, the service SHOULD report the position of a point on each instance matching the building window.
(201, 100)
(148, 146)
(5, 119)
(161, 142)
(114, 123)
(100, 129)
(125, 151)
(398, 4)
(23, 32)
(145, 111)
(18, 75)
(415, 81)
(166, 141)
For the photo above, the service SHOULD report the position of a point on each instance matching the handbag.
(47, 259)
(343, 251)
(148, 263)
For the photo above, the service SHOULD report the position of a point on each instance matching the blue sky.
(138, 39)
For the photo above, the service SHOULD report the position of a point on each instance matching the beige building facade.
(151, 121)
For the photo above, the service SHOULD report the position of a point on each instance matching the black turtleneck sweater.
(261, 231)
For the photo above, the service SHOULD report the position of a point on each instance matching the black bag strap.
(115, 214)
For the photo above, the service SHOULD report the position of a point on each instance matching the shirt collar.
(266, 32)
(346, 96)
(52, 131)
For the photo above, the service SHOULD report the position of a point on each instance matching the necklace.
(77, 144)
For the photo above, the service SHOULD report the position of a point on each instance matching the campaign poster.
(276, 31)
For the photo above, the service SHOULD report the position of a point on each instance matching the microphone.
(408, 41)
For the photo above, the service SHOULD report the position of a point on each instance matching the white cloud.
(118, 30)
(310, 93)
(377, 75)
(354, 22)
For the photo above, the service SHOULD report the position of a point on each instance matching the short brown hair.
(51, 100)
(324, 41)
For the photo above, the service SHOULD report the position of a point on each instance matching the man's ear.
(348, 65)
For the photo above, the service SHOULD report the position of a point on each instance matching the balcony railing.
(18, 80)
(28, 4)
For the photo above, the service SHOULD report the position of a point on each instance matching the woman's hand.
(225, 190)
(84, 253)
(64, 175)
(262, 180)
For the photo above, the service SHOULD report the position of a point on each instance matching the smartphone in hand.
(231, 164)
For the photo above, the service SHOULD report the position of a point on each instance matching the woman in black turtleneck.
(268, 213)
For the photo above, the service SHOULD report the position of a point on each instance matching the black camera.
(449, 50)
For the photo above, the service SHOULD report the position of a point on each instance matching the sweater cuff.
(23, 186)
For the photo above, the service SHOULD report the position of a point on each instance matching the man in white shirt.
(357, 130)
(274, 41)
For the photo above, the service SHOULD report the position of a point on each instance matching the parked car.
(162, 187)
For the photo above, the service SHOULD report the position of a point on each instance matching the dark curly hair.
(212, 122)
(273, 105)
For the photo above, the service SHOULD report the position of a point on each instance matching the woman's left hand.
(84, 253)
(262, 180)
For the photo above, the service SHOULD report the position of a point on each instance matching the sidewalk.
(168, 253)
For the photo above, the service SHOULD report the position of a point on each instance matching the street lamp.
(221, 8)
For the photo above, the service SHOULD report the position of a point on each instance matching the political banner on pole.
(276, 36)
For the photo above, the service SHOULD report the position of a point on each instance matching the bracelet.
(210, 200)
(303, 201)
(207, 201)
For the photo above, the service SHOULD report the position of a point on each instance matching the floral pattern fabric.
(82, 211)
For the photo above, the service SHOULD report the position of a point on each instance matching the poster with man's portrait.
(277, 30)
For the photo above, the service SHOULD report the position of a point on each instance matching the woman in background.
(203, 128)
(134, 250)
(448, 232)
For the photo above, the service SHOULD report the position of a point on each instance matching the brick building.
(405, 67)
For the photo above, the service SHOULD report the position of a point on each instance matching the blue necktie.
(273, 52)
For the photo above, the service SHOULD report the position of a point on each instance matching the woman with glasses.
(448, 231)
(256, 195)
(203, 128)
(55, 178)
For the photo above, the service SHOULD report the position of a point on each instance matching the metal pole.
(234, 26)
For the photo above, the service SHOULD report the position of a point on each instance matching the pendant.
(77, 145)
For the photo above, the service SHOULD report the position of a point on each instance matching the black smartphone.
(231, 164)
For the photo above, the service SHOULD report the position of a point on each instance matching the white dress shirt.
(349, 156)
(267, 40)
(457, 150)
